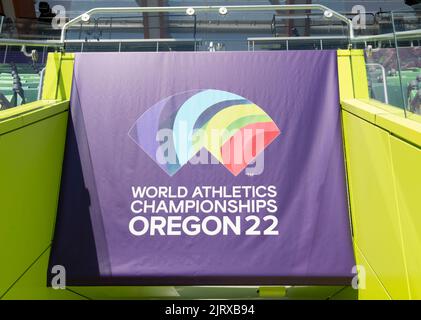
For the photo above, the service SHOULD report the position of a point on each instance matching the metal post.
(43, 55)
(399, 64)
(5, 54)
(41, 83)
(111, 27)
(386, 94)
(1, 24)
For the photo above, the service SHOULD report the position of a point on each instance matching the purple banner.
(204, 168)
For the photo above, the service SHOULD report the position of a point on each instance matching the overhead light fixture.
(328, 14)
(223, 11)
(85, 17)
(190, 11)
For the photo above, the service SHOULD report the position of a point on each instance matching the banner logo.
(177, 130)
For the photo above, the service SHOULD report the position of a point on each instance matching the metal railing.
(329, 13)
(345, 39)
(399, 35)
(384, 80)
(30, 43)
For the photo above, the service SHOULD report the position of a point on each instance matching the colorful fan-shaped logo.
(233, 129)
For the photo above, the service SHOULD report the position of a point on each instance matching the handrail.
(270, 39)
(41, 83)
(382, 68)
(148, 40)
(31, 43)
(86, 16)
(401, 35)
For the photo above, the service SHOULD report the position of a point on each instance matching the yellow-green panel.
(386, 117)
(314, 292)
(30, 171)
(30, 113)
(407, 167)
(13, 112)
(405, 128)
(413, 116)
(218, 292)
(58, 76)
(346, 89)
(393, 110)
(272, 292)
(377, 230)
(65, 77)
(353, 220)
(32, 285)
(108, 293)
(361, 109)
(359, 74)
(373, 288)
(49, 90)
(345, 293)
(386, 108)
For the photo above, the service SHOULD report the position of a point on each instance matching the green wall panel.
(376, 222)
(346, 88)
(30, 171)
(320, 293)
(58, 76)
(346, 293)
(127, 293)
(32, 284)
(359, 74)
(407, 170)
(373, 288)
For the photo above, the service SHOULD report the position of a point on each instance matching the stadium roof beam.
(154, 26)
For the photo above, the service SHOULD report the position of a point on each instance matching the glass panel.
(409, 54)
(381, 65)
(211, 31)
(383, 76)
(394, 63)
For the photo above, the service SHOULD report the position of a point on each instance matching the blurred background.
(30, 29)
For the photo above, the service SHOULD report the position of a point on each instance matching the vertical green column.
(359, 74)
(346, 86)
(58, 76)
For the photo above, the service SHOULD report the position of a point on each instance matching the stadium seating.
(29, 83)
